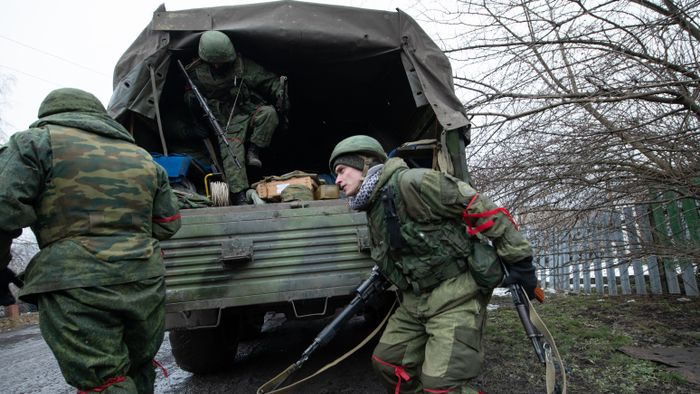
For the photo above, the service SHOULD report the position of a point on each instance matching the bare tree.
(6, 82)
(580, 106)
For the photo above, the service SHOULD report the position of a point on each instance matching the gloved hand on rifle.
(8, 276)
(522, 273)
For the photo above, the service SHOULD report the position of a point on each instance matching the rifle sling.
(552, 356)
(287, 372)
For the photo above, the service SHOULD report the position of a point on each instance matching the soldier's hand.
(523, 274)
(8, 276)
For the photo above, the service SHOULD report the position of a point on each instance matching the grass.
(588, 331)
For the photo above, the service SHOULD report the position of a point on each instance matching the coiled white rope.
(219, 194)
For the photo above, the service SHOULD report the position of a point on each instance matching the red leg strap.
(109, 382)
(398, 371)
(159, 365)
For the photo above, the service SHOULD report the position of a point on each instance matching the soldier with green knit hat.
(246, 99)
(428, 235)
(98, 205)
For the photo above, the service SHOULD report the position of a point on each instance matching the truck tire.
(205, 350)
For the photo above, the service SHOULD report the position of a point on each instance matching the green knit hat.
(351, 160)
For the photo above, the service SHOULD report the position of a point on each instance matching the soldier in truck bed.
(444, 273)
(239, 92)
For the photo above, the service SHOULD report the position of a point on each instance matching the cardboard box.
(327, 192)
(271, 190)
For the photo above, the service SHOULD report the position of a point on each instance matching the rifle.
(282, 105)
(519, 300)
(207, 112)
(546, 352)
(372, 286)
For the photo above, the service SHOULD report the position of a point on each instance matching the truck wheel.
(205, 350)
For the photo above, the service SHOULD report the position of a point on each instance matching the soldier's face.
(349, 179)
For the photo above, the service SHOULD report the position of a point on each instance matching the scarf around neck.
(360, 200)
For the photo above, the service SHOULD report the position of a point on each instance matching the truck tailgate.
(249, 255)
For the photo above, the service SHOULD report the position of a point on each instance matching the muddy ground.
(589, 332)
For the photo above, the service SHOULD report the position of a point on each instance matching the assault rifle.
(372, 286)
(207, 112)
(519, 300)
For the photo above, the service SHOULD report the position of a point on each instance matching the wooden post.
(648, 242)
(12, 312)
(623, 264)
(635, 247)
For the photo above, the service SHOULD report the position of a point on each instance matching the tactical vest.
(414, 256)
(100, 194)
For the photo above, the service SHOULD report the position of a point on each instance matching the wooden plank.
(575, 242)
(660, 230)
(566, 263)
(586, 265)
(679, 236)
(652, 264)
(608, 260)
(620, 252)
(596, 252)
(634, 241)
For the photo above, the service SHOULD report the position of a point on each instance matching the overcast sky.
(49, 44)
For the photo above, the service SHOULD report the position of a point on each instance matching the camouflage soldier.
(432, 342)
(239, 92)
(98, 205)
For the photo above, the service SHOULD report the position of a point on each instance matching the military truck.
(350, 71)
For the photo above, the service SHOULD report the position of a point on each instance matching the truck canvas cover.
(340, 55)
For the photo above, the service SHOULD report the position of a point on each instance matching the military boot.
(252, 157)
(239, 198)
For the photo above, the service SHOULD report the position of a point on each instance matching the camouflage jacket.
(246, 83)
(97, 203)
(430, 205)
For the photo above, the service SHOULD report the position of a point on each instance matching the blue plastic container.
(175, 164)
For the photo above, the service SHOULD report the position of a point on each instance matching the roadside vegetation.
(589, 331)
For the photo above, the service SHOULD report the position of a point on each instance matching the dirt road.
(29, 365)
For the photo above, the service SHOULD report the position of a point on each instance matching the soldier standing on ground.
(432, 342)
(239, 92)
(98, 204)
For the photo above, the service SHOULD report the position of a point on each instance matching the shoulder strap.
(393, 223)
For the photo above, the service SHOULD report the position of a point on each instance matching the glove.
(7, 276)
(523, 274)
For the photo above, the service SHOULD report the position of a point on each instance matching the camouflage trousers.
(254, 128)
(106, 336)
(432, 345)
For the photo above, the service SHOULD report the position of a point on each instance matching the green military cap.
(362, 145)
(70, 100)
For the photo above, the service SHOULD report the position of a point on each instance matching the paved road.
(28, 366)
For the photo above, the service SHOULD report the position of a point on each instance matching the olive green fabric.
(433, 251)
(97, 204)
(103, 332)
(431, 196)
(435, 338)
(253, 120)
(296, 192)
